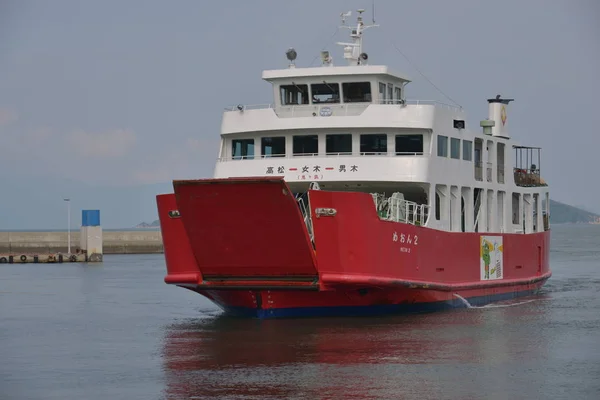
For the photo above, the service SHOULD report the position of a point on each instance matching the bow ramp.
(246, 232)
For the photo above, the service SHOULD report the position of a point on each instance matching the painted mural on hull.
(491, 253)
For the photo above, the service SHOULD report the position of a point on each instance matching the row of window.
(442, 148)
(371, 144)
(329, 92)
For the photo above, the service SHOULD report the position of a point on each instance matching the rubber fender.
(23, 257)
(36, 259)
(11, 259)
(60, 258)
(3, 260)
(73, 258)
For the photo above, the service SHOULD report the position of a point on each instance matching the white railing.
(324, 155)
(307, 218)
(398, 209)
(244, 107)
(341, 106)
(500, 173)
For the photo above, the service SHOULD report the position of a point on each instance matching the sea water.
(116, 330)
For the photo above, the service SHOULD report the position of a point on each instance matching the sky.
(113, 99)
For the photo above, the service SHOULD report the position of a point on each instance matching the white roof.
(358, 70)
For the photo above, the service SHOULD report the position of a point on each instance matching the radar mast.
(353, 52)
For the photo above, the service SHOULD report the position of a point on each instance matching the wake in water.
(469, 305)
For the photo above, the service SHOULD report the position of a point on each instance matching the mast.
(353, 52)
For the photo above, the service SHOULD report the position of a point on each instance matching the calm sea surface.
(116, 331)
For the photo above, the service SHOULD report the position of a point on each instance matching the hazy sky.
(132, 92)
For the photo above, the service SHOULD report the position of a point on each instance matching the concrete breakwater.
(114, 242)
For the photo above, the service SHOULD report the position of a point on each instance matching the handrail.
(398, 209)
(325, 155)
(397, 103)
(307, 218)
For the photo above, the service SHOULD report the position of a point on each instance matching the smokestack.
(498, 108)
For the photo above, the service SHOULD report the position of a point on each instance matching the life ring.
(51, 258)
(23, 257)
(3, 260)
(73, 258)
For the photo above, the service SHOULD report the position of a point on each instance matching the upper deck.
(352, 128)
(360, 110)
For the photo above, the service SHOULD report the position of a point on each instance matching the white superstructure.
(351, 128)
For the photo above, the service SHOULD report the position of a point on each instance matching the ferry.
(345, 197)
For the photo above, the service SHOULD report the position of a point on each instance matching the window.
(242, 148)
(516, 216)
(409, 144)
(455, 148)
(373, 144)
(442, 146)
(467, 150)
(325, 92)
(398, 94)
(356, 92)
(338, 144)
(294, 94)
(307, 145)
(273, 146)
(381, 93)
(390, 93)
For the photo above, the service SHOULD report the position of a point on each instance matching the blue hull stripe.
(378, 309)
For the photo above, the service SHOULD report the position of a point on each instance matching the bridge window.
(294, 94)
(325, 92)
(467, 150)
(273, 146)
(242, 148)
(382, 92)
(338, 144)
(398, 94)
(409, 145)
(373, 144)
(356, 92)
(455, 148)
(442, 146)
(306, 145)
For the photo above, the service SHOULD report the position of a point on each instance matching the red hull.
(243, 244)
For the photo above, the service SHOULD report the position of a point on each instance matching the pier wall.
(114, 242)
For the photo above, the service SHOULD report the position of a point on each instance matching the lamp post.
(68, 225)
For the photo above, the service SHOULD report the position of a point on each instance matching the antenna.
(373, 12)
(353, 51)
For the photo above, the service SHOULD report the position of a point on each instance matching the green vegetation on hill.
(561, 213)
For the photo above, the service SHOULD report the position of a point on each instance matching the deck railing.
(528, 177)
(345, 106)
(500, 173)
(398, 209)
(478, 170)
(326, 155)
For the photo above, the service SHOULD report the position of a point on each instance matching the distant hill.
(561, 213)
(145, 225)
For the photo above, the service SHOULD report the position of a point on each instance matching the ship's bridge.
(333, 91)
